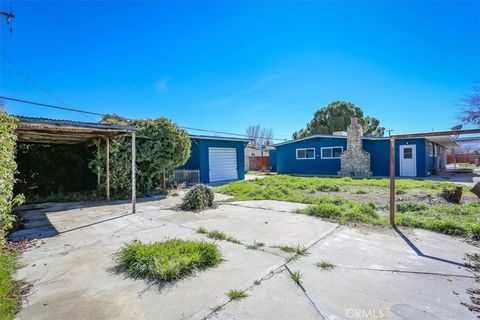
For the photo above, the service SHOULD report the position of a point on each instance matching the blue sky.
(225, 65)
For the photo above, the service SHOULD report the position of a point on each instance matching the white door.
(408, 161)
(222, 164)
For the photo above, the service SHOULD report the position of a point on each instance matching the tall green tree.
(336, 117)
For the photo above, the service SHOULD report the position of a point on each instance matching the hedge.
(8, 166)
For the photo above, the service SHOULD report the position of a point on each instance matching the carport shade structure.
(54, 131)
(438, 134)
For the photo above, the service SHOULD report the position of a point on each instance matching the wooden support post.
(107, 166)
(134, 169)
(99, 178)
(392, 181)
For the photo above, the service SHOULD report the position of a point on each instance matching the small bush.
(198, 198)
(236, 294)
(169, 260)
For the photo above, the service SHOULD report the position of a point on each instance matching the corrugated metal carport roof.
(43, 130)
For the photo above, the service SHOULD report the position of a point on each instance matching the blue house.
(217, 158)
(321, 155)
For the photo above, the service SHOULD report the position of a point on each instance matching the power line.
(103, 114)
(51, 106)
(19, 71)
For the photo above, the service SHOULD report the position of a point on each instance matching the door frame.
(414, 157)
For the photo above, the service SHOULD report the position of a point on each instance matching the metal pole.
(107, 165)
(392, 181)
(134, 169)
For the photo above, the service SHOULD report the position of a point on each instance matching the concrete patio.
(380, 273)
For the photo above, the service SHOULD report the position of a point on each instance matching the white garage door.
(222, 164)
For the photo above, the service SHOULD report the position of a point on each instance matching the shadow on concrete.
(420, 253)
(36, 224)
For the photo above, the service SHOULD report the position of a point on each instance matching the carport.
(54, 131)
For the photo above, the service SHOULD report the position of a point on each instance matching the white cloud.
(161, 85)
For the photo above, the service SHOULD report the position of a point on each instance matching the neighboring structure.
(355, 162)
(323, 154)
(257, 159)
(217, 158)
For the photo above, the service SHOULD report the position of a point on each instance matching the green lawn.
(330, 199)
(8, 301)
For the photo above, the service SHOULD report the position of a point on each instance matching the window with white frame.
(306, 153)
(331, 152)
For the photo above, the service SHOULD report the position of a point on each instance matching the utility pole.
(9, 16)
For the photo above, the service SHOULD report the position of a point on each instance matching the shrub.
(8, 166)
(167, 148)
(198, 198)
(169, 260)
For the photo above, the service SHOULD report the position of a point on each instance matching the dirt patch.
(382, 198)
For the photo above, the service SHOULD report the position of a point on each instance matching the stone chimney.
(355, 162)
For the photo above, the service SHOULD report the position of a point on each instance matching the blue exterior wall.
(199, 156)
(287, 162)
(379, 150)
(272, 160)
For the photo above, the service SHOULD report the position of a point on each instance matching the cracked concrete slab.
(378, 275)
(383, 248)
(71, 282)
(72, 273)
(250, 224)
(271, 205)
(276, 298)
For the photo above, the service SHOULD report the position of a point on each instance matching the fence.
(258, 163)
(471, 158)
(187, 177)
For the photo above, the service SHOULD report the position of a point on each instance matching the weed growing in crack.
(218, 235)
(236, 294)
(325, 265)
(298, 250)
(216, 309)
(256, 245)
(296, 277)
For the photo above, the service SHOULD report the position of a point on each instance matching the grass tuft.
(167, 261)
(296, 277)
(255, 245)
(217, 235)
(325, 265)
(236, 294)
(297, 250)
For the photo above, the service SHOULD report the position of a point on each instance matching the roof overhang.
(42, 130)
(199, 137)
(444, 141)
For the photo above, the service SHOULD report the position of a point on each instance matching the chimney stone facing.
(355, 162)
